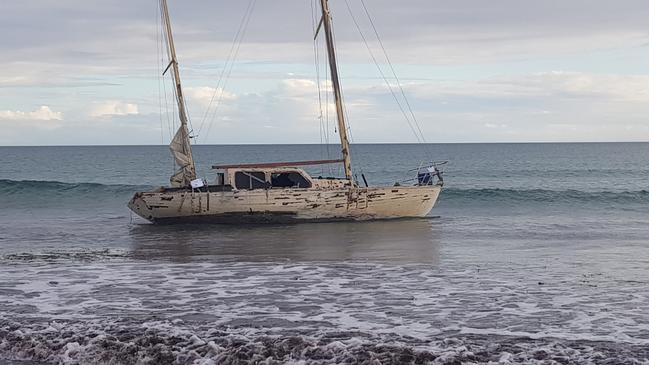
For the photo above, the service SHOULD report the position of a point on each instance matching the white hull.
(281, 205)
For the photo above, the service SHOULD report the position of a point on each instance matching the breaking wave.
(70, 255)
(13, 187)
(48, 193)
(55, 191)
(542, 196)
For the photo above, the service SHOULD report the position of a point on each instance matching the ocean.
(534, 254)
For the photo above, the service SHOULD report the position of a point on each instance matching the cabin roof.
(278, 164)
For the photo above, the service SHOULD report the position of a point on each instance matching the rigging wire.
(324, 83)
(225, 66)
(324, 133)
(169, 116)
(328, 94)
(227, 69)
(161, 93)
(413, 125)
(173, 114)
(398, 81)
(342, 92)
(327, 104)
(317, 80)
(229, 72)
(394, 73)
(157, 71)
(175, 82)
(342, 98)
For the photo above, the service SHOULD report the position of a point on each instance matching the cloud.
(541, 86)
(205, 95)
(545, 106)
(42, 113)
(631, 88)
(113, 108)
(16, 80)
(20, 127)
(290, 110)
(414, 32)
(468, 65)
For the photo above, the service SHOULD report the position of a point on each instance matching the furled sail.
(181, 150)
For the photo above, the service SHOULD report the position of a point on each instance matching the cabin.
(281, 175)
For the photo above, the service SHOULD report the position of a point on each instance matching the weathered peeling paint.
(299, 204)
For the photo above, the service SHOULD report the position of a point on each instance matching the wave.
(542, 196)
(14, 187)
(58, 191)
(38, 194)
(8, 187)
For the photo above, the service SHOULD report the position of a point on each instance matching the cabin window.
(289, 179)
(250, 180)
(220, 178)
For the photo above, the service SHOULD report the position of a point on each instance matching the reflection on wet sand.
(404, 241)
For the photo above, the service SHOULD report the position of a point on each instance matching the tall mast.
(340, 111)
(180, 144)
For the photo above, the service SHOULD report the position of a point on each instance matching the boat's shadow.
(403, 240)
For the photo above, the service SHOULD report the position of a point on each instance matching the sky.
(76, 72)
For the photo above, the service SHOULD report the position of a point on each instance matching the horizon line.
(324, 144)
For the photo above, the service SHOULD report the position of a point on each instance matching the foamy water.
(108, 305)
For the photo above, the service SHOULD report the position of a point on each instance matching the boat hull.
(284, 205)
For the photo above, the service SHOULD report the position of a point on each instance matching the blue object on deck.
(425, 177)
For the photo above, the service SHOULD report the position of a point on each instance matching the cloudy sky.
(87, 72)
